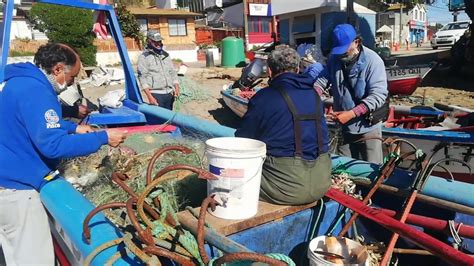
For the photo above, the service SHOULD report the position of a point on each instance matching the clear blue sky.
(439, 13)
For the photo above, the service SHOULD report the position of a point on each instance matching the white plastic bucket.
(340, 246)
(237, 162)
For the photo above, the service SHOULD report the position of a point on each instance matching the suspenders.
(297, 119)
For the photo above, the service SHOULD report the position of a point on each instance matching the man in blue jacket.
(33, 140)
(359, 86)
(288, 116)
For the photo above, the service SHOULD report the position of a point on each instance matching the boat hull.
(403, 86)
(404, 80)
(236, 104)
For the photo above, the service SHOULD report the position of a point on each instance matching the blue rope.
(316, 223)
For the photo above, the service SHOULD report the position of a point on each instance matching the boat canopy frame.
(131, 86)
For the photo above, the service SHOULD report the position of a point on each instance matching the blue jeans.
(165, 100)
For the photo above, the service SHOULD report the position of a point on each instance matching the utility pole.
(455, 16)
(350, 12)
(246, 24)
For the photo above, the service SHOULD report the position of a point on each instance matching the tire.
(435, 47)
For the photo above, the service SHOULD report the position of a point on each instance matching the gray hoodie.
(156, 72)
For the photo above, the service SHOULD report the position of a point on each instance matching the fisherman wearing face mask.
(359, 86)
(157, 74)
(33, 140)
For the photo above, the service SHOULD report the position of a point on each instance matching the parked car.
(449, 34)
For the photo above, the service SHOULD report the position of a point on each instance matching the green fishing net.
(92, 174)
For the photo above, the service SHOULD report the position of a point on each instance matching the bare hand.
(82, 129)
(116, 136)
(177, 90)
(153, 101)
(83, 111)
(344, 116)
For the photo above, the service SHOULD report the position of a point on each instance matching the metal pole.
(350, 12)
(246, 26)
(401, 25)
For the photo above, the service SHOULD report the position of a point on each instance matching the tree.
(128, 23)
(135, 2)
(71, 26)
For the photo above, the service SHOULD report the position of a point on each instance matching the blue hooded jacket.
(33, 135)
(269, 119)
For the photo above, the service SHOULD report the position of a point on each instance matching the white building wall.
(280, 7)
(20, 29)
(167, 4)
(113, 58)
(184, 55)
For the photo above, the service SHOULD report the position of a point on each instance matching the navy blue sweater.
(33, 137)
(268, 118)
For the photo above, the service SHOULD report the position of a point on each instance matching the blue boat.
(276, 229)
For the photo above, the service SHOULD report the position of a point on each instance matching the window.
(303, 24)
(260, 24)
(143, 22)
(177, 27)
(456, 26)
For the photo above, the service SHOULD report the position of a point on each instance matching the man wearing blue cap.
(359, 87)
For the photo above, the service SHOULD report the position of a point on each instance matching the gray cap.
(154, 35)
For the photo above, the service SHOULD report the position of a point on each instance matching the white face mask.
(63, 86)
(56, 85)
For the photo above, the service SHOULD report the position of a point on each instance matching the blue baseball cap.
(342, 37)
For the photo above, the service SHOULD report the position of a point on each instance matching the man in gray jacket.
(359, 87)
(157, 74)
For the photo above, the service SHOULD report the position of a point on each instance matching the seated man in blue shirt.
(288, 116)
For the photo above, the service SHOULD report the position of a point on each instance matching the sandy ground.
(452, 91)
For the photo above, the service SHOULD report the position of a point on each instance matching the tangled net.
(140, 187)
(92, 174)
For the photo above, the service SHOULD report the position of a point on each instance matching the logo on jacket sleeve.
(52, 119)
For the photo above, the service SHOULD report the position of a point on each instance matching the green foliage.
(13, 53)
(128, 23)
(177, 60)
(71, 26)
(26, 39)
(133, 2)
(88, 55)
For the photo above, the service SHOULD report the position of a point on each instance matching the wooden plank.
(266, 213)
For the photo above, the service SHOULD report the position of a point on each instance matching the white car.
(449, 34)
